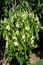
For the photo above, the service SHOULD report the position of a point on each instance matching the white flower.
(17, 49)
(33, 45)
(15, 43)
(32, 37)
(24, 40)
(32, 41)
(27, 28)
(17, 25)
(36, 19)
(4, 20)
(23, 15)
(23, 36)
(6, 44)
(36, 26)
(17, 32)
(14, 37)
(23, 53)
(6, 38)
(8, 27)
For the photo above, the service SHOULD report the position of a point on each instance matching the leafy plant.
(20, 28)
(20, 31)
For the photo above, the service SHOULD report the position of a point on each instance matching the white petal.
(17, 32)
(27, 28)
(8, 27)
(23, 36)
(15, 43)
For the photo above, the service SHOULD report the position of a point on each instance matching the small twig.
(22, 3)
(15, 2)
(1, 61)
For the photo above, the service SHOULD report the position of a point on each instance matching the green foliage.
(20, 31)
(34, 5)
(30, 5)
